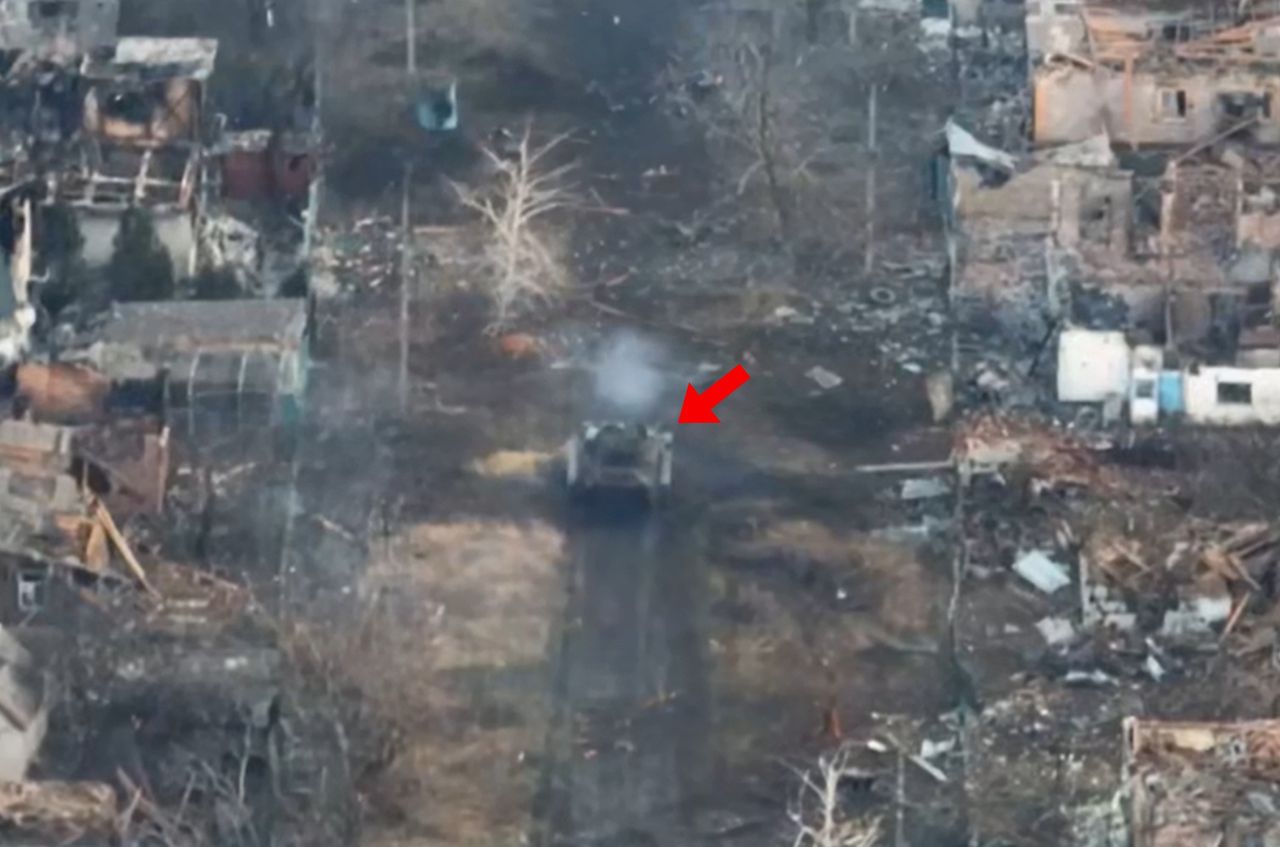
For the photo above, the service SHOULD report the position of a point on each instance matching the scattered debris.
(1196, 783)
(1056, 631)
(1041, 571)
(825, 379)
(925, 489)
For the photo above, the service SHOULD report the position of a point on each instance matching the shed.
(238, 352)
(259, 164)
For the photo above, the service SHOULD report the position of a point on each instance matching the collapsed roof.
(145, 59)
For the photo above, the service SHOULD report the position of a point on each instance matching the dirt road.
(699, 646)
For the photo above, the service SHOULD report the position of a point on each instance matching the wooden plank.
(113, 532)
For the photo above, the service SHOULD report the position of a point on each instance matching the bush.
(140, 267)
(61, 244)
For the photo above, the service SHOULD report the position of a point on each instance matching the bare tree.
(815, 811)
(789, 119)
(523, 256)
(744, 109)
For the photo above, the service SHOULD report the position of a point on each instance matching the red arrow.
(700, 408)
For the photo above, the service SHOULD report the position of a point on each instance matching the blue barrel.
(1169, 393)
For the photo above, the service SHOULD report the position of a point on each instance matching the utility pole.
(410, 37)
(406, 244)
(406, 285)
(869, 253)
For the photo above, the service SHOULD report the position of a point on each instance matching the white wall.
(1092, 365)
(174, 229)
(1201, 396)
(18, 746)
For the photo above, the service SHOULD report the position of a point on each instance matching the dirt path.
(694, 649)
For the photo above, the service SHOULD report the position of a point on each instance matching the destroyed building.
(142, 123)
(1176, 253)
(59, 489)
(1007, 218)
(1152, 78)
(103, 127)
(148, 91)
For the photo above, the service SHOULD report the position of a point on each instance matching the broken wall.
(160, 112)
(1071, 102)
(1069, 204)
(1258, 216)
(1004, 228)
(1201, 205)
(1258, 228)
(260, 175)
(1053, 27)
(1092, 366)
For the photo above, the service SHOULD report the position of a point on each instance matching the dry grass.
(513, 464)
(463, 595)
(792, 649)
(466, 789)
(906, 600)
(448, 611)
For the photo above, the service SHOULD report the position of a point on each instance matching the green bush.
(140, 267)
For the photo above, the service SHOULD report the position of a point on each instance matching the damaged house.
(60, 488)
(125, 125)
(142, 123)
(148, 91)
(1153, 78)
(1218, 356)
(1159, 270)
(1005, 216)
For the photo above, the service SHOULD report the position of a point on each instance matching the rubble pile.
(1188, 781)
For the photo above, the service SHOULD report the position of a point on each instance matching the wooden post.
(869, 255)
(900, 802)
(410, 37)
(406, 283)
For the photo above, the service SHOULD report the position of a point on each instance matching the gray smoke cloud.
(630, 375)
